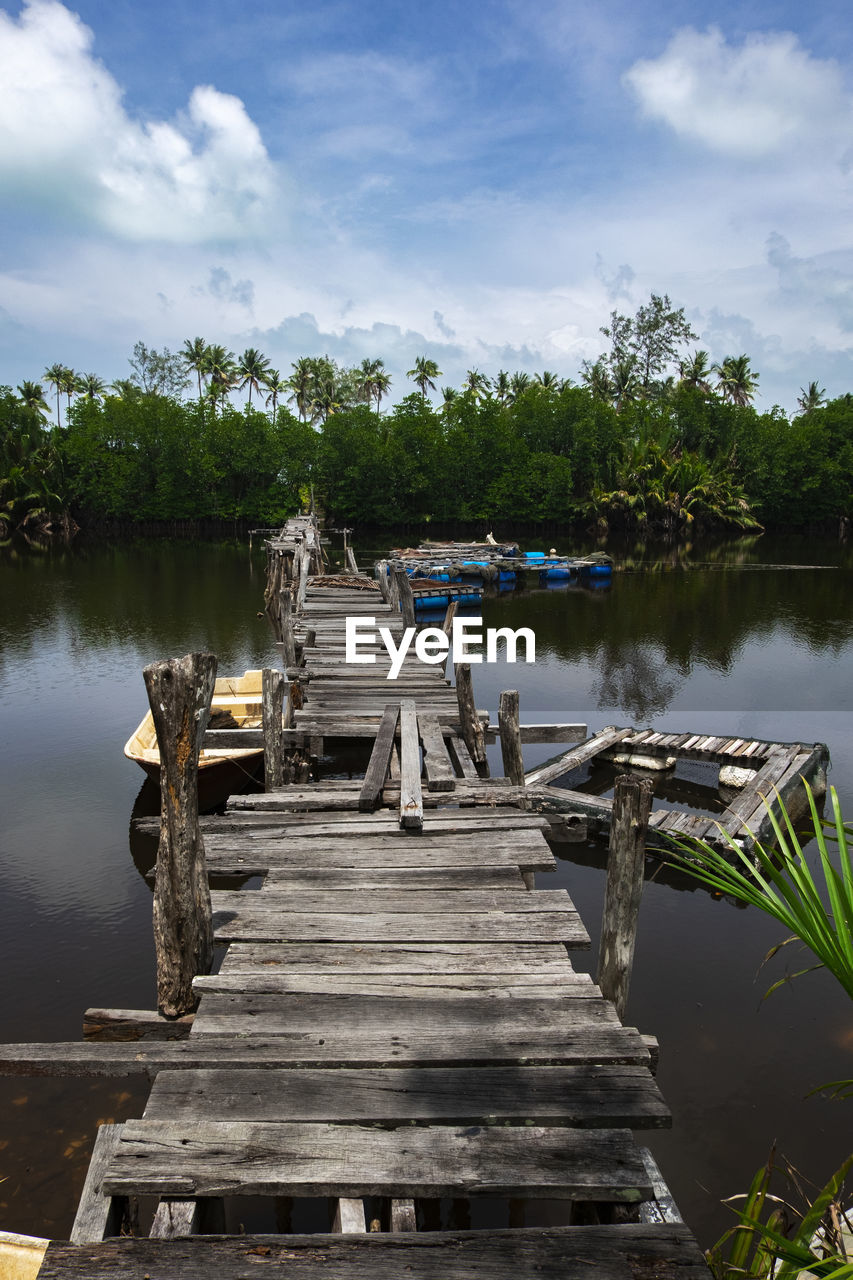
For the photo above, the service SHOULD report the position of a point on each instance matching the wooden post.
(286, 627)
(469, 721)
(274, 591)
(447, 628)
(510, 736)
(180, 691)
(632, 799)
(382, 579)
(394, 590)
(405, 596)
(273, 704)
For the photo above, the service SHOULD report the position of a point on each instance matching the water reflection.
(722, 649)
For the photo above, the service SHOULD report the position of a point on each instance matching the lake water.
(711, 640)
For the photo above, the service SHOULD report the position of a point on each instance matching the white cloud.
(753, 100)
(68, 143)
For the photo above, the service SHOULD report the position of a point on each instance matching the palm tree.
(548, 380)
(519, 382)
(424, 374)
(695, 372)
(477, 384)
(125, 388)
(32, 394)
(194, 355)
(625, 382)
(220, 368)
(55, 377)
(275, 385)
(811, 397)
(596, 377)
(448, 395)
(90, 386)
(252, 368)
(736, 381)
(503, 387)
(69, 384)
(301, 384)
(372, 381)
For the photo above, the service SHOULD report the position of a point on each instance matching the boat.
(236, 704)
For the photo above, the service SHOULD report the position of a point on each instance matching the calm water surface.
(711, 640)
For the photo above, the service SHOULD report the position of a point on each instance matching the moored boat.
(236, 705)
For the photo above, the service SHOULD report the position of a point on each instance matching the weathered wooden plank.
(273, 706)
(662, 1209)
(411, 796)
(461, 986)
(531, 733)
(279, 897)
(439, 771)
(97, 1214)
(510, 736)
(425, 958)
(593, 1096)
(571, 760)
(406, 879)
(468, 717)
(403, 1216)
(134, 1024)
(217, 1158)
(349, 1217)
(175, 1218)
(370, 1018)
(461, 756)
(590, 1041)
(377, 768)
(496, 926)
(258, 857)
(626, 1252)
(745, 804)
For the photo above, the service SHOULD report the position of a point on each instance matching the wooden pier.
(395, 1020)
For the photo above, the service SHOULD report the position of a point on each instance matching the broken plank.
(217, 1158)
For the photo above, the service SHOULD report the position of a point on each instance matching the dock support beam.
(273, 704)
(632, 800)
(405, 596)
(469, 721)
(510, 736)
(180, 692)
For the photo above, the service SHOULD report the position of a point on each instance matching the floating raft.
(775, 770)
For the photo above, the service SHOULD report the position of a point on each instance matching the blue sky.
(480, 184)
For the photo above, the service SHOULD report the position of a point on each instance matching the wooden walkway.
(396, 1016)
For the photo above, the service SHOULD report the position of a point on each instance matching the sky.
(481, 184)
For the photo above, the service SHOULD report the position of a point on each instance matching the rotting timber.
(395, 1016)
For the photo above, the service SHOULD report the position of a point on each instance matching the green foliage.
(645, 444)
(780, 882)
(758, 1247)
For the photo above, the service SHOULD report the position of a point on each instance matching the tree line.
(651, 437)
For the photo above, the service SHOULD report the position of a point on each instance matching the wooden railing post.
(272, 701)
(510, 736)
(469, 721)
(405, 596)
(382, 579)
(632, 799)
(180, 692)
(286, 624)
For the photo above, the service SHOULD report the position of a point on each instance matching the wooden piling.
(632, 800)
(180, 692)
(288, 639)
(273, 704)
(510, 736)
(469, 721)
(406, 597)
(382, 579)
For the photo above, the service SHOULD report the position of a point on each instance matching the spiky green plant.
(779, 881)
(758, 1247)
